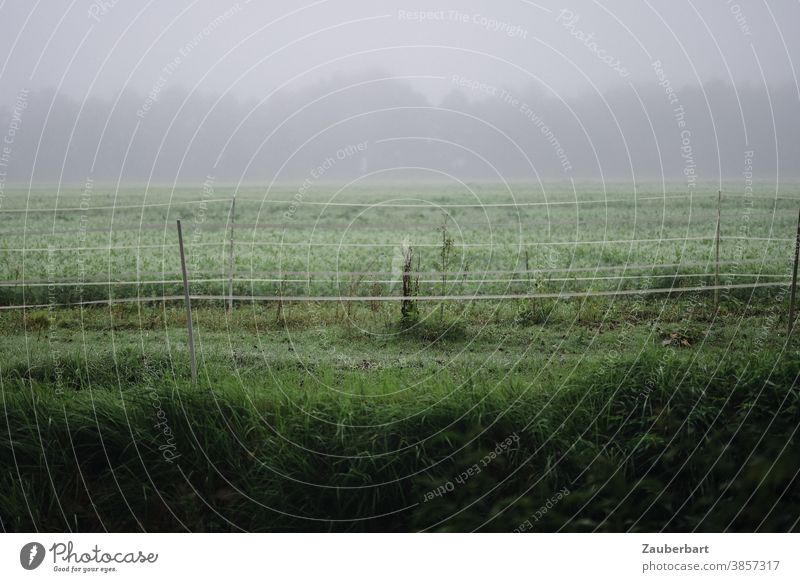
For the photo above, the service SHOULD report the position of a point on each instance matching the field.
(560, 364)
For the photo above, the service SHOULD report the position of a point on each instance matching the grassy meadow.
(579, 408)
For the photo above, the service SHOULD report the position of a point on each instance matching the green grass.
(641, 413)
(128, 237)
(306, 423)
(640, 444)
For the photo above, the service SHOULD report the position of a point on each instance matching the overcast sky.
(249, 48)
(243, 51)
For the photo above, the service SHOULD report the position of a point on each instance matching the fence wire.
(394, 298)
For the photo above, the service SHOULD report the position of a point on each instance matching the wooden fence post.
(794, 276)
(716, 267)
(231, 258)
(407, 304)
(188, 303)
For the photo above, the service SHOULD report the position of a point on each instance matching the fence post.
(407, 305)
(188, 303)
(231, 257)
(716, 267)
(794, 276)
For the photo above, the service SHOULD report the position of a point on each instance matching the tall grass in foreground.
(639, 445)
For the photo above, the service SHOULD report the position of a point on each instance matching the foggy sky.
(260, 91)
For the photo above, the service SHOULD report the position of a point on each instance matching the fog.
(129, 92)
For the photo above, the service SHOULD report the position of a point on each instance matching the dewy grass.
(605, 413)
(644, 444)
(135, 255)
